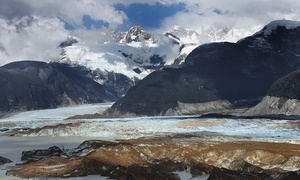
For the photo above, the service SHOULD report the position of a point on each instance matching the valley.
(111, 101)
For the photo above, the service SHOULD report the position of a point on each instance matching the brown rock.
(156, 158)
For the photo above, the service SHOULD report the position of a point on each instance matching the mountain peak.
(137, 34)
(69, 41)
(185, 34)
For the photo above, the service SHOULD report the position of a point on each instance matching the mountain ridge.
(30, 85)
(123, 59)
(238, 72)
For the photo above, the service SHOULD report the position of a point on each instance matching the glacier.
(54, 123)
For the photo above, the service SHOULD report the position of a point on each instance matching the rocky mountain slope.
(282, 98)
(28, 85)
(240, 73)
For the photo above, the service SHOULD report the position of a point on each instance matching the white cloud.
(39, 38)
(32, 38)
(242, 13)
(71, 11)
(242, 17)
(32, 29)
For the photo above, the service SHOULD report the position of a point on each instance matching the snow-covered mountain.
(120, 59)
(121, 52)
(114, 59)
(30, 38)
(115, 56)
(135, 53)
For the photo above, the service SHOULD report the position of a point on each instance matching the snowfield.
(110, 57)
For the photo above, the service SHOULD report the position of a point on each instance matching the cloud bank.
(32, 29)
(243, 14)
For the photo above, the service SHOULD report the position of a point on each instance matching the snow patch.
(268, 29)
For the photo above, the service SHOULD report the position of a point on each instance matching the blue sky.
(148, 16)
(145, 15)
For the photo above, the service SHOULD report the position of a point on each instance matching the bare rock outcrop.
(4, 160)
(159, 158)
(276, 105)
(282, 98)
(197, 108)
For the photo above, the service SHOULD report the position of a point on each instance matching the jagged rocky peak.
(23, 22)
(182, 33)
(217, 31)
(118, 36)
(137, 34)
(69, 41)
(188, 40)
